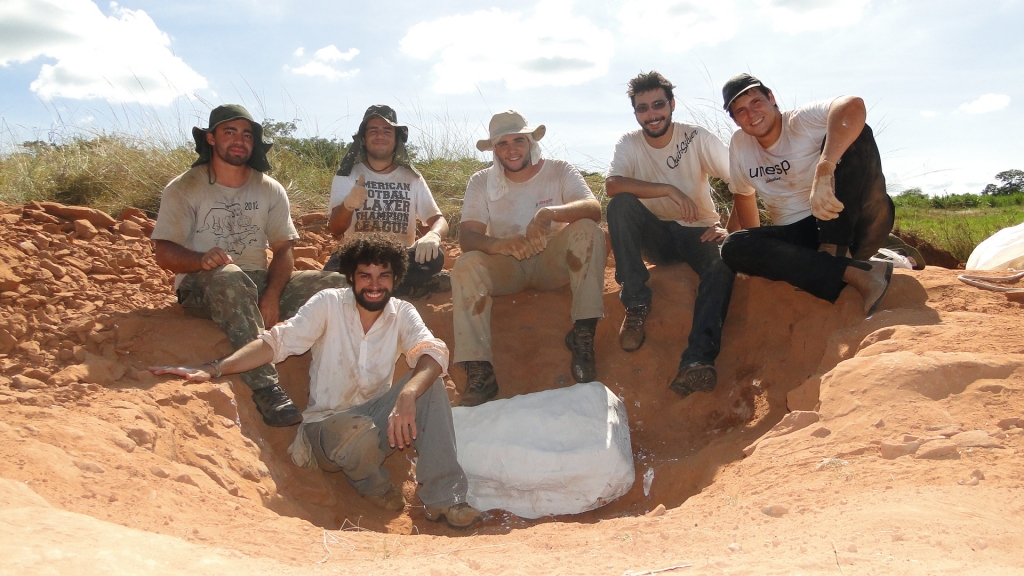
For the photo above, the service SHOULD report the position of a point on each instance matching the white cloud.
(320, 64)
(299, 52)
(986, 103)
(795, 16)
(680, 25)
(331, 53)
(123, 57)
(929, 113)
(548, 47)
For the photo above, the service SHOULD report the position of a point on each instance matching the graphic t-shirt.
(242, 221)
(783, 173)
(394, 201)
(691, 155)
(557, 183)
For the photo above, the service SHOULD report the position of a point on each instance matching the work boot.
(459, 516)
(276, 407)
(580, 341)
(390, 500)
(481, 385)
(631, 333)
(694, 377)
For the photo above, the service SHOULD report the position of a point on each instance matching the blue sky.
(942, 79)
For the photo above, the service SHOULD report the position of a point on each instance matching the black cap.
(738, 85)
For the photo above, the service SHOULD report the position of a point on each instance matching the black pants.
(790, 252)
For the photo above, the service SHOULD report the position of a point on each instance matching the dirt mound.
(932, 256)
(891, 444)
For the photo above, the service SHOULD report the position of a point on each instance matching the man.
(661, 208)
(355, 417)
(527, 222)
(818, 170)
(215, 224)
(377, 189)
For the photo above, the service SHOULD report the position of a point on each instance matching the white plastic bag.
(562, 451)
(1001, 251)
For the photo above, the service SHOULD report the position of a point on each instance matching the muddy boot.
(392, 500)
(631, 333)
(481, 385)
(276, 407)
(580, 341)
(694, 377)
(459, 516)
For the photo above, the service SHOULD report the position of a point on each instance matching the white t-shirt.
(691, 155)
(242, 221)
(394, 201)
(558, 183)
(783, 173)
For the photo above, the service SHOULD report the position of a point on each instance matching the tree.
(1013, 183)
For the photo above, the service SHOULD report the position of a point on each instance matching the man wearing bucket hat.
(215, 224)
(818, 170)
(661, 208)
(377, 189)
(527, 222)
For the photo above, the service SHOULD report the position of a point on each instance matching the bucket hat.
(508, 122)
(226, 113)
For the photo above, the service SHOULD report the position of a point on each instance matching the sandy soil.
(833, 443)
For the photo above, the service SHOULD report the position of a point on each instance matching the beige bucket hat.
(508, 122)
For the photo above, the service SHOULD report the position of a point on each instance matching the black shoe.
(438, 284)
(580, 341)
(631, 333)
(276, 407)
(694, 377)
(481, 385)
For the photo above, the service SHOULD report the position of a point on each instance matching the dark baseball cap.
(738, 85)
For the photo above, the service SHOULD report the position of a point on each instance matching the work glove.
(428, 247)
(824, 204)
(357, 196)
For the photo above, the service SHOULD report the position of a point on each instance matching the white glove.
(824, 204)
(357, 196)
(428, 247)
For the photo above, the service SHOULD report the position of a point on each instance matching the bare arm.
(744, 212)
(341, 219)
(278, 274)
(615, 185)
(402, 421)
(180, 260)
(252, 355)
(571, 212)
(439, 225)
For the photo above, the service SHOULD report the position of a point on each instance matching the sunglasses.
(656, 105)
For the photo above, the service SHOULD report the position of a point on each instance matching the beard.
(666, 125)
(516, 168)
(372, 306)
(233, 159)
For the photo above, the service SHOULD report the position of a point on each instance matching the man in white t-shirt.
(661, 209)
(215, 224)
(818, 170)
(377, 189)
(527, 222)
(356, 417)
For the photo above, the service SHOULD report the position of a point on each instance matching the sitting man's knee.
(349, 441)
(623, 203)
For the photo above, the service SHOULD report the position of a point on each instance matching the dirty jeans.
(229, 296)
(574, 256)
(355, 442)
(637, 233)
(416, 273)
(790, 252)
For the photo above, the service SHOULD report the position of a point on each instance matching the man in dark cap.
(818, 170)
(215, 224)
(377, 189)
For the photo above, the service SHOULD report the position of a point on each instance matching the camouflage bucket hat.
(357, 150)
(226, 113)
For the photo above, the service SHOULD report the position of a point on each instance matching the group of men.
(528, 222)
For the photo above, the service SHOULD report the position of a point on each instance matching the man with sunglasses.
(661, 209)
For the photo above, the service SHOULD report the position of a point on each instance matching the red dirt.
(867, 460)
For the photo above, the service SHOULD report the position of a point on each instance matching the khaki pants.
(574, 256)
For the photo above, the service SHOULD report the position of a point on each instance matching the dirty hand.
(215, 258)
(824, 204)
(428, 247)
(538, 228)
(714, 233)
(687, 209)
(402, 421)
(357, 196)
(270, 309)
(196, 374)
(517, 246)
